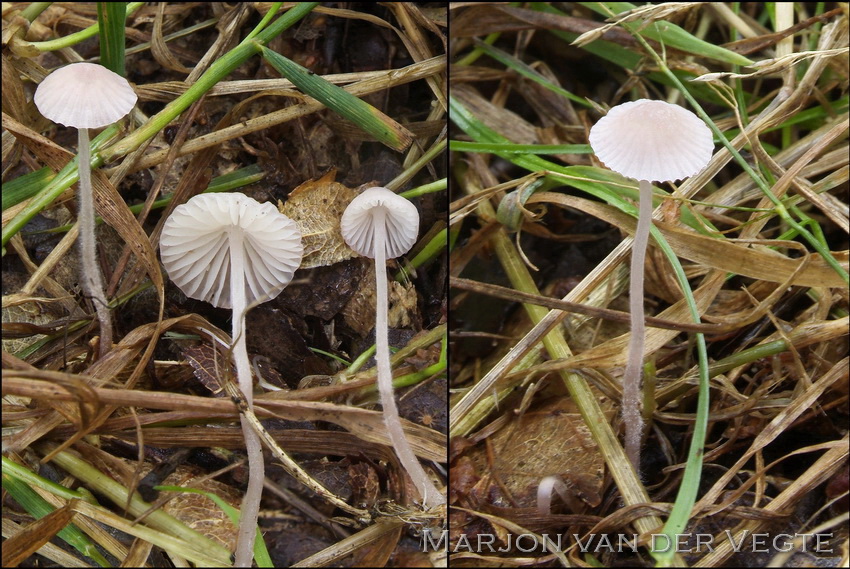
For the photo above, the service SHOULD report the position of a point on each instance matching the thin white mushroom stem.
(632, 379)
(431, 497)
(256, 464)
(92, 282)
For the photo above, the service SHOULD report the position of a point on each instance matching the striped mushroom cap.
(380, 205)
(84, 95)
(652, 140)
(213, 234)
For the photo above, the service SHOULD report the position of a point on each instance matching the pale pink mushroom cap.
(84, 95)
(400, 217)
(196, 247)
(652, 140)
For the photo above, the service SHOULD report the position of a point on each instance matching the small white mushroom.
(648, 141)
(84, 96)
(381, 225)
(231, 251)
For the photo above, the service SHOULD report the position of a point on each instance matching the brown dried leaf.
(403, 307)
(203, 360)
(551, 441)
(359, 313)
(317, 206)
(199, 512)
(365, 484)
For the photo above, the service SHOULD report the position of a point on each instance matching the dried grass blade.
(385, 528)
(19, 547)
(716, 253)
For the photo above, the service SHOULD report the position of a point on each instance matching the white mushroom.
(648, 141)
(381, 225)
(84, 96)
(231, 251)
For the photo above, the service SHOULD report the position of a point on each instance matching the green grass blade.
(118, 494)
(24, 187)
(510, 148)
(77, 37)
(361, 113)
(38, 507)
(110, 20)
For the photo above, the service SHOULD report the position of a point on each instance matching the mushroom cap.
(401, 222)
(195, 247)
(84, 95)
(652, 140)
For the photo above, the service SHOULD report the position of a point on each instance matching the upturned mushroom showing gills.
(84, 96)
(381, 225)
(648, 141)
(231, 251)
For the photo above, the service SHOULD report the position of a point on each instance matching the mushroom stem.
(545, 489)
(256, 465)
(647, 141)
(92, 282)
(431, 497)
(632, 379)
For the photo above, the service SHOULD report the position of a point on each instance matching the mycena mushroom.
(232, 251)
(84, 96)
(382, 225)
(648, 141)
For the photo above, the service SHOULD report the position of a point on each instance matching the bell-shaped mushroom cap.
(196, 247)
(652, 140)
(380, 205)
(84, 95)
